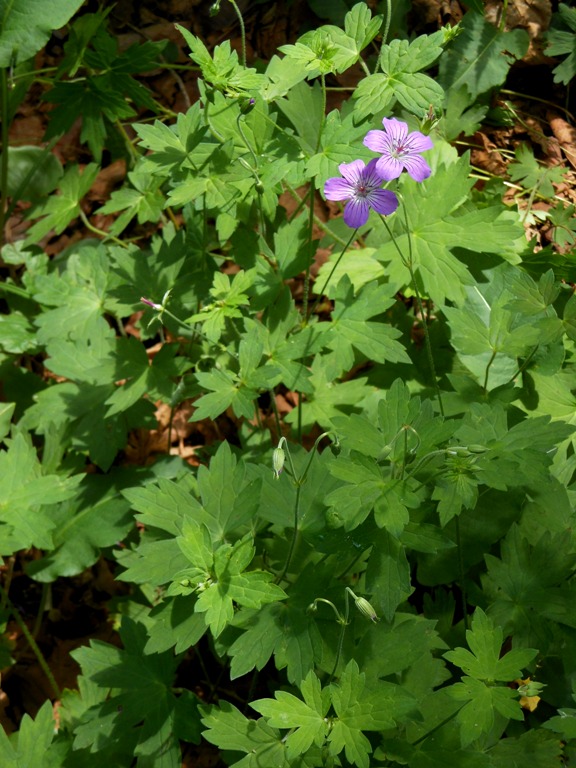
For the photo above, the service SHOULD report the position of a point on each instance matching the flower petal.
(372, 177)
(377, 141)
(396, 129)
(353, 171)
(338, 189)
(389, 167)
(418, 142)
(417, 167)
(383, 201)
(356, 212)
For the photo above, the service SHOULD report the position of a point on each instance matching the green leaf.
(17, 334)
(361, 26)
(59, 210)
(530, 580)
(389, 649)
(96, 517)
(286, 630)
(145, 202)
(174, 626)
(481, 56)
(350, 327)
(142, 704)
(26, 494)
(292, 246)
(228, 298)
(32, 743)
(531, 174)
(359, 710)
(26, 25)
(561, 41)
(230, 494)
(441, 223)
(148, 273)
(402, 81)
(388, 575)
(307, 718)
(77, 296)
(33, 173)
(303, 107)
(222, 69)
(563, 723)
(231, 730)
(484, 663)
(230, 585)
(173, 147)
(460, 117)
(535, 747)
(330, 398)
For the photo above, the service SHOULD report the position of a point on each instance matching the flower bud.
(364, 607)
(278, 458)
(246, 105)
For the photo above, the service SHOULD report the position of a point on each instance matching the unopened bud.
(364, 607)
(246, 105)
(278, 458)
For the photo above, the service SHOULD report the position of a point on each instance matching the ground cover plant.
(287, 422)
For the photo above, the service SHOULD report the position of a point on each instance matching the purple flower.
(399, 150)
(361, 187)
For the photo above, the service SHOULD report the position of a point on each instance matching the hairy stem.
(234, 4)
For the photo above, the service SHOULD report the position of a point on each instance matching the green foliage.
(101, 97)
(480, 56)
(401, 79)
(562, 40)
(26, 26)
(323, 580)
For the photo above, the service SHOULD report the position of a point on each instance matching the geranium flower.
(360, 185)
(399, 150)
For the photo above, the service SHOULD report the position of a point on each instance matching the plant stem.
(463, 598)
(254, 172)
(299, 480)
(492, 358)
(294, 535)
(242, 30)
(387, 22)
(341, 638)
(33, 644)
(321, 293)
(101, 232)
(408, 263)
(4, 157)
(319, 223)
(312, 193)
(276, 414)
